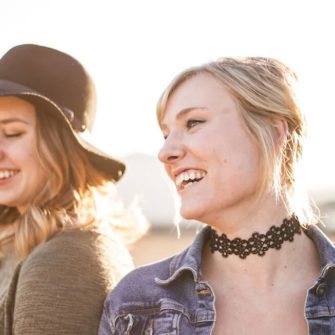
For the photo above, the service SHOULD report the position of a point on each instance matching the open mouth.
(188, 178)
(6, 174)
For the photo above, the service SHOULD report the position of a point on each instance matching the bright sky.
(133, 49)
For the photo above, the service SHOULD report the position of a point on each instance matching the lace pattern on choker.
(258, 243)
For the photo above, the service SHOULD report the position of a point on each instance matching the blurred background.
(133, 48)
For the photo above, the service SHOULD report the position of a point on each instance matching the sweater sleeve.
(62, 284)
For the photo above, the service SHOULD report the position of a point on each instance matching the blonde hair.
(65, 200)
(264, 91)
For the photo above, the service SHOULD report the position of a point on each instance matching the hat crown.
(55, 75)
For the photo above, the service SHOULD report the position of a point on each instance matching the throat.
(266, 272)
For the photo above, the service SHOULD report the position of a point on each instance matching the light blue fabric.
(169, 297)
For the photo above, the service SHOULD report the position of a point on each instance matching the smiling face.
(208, 151)
(21, 175)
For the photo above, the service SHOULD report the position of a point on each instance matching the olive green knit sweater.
(61, 286)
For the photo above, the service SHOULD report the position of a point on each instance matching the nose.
(172, 150)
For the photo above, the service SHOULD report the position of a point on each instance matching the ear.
(280, 131)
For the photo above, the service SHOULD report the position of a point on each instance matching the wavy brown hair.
(65, 200)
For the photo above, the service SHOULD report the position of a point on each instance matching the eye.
(13, 135)
(191, 123)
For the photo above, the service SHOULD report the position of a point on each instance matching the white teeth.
(189, 176)
(7, 174)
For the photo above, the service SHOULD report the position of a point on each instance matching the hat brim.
(109, 166)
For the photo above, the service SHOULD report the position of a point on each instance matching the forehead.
(14, 108)
(201, 91)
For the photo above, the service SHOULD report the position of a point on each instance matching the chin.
(191, 213)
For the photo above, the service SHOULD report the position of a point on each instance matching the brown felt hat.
(46, 75)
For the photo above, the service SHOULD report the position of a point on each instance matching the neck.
(263, 272)
(275, 268)
(242, 222)
(259, 271)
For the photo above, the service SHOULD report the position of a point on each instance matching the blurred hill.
(144, 181)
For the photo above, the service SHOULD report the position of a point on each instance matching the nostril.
(172, 158)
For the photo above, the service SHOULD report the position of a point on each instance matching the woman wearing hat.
(56, 263)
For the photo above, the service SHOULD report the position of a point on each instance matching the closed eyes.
(13, 135)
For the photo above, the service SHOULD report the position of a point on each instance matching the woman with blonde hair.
(233, 134)
(57, 262)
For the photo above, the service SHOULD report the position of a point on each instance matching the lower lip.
(190, 186)
(7, 180)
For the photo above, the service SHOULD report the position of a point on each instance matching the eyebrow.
(182, 113)
(10, 120)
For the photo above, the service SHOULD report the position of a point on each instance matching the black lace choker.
(257, 244)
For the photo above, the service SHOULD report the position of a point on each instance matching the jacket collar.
(188, 260)
(325, 248)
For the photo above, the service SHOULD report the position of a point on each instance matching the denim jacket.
(169, 297)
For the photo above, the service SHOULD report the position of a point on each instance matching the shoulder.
(74, 252)
(84, 240)
(143, 277)
(146, 274)
(163, 278)
(137, 291)
(140, 285)
(324, 245)
(62, 284)
(158, 291)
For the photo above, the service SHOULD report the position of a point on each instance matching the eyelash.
(191, 123)
(13, 135)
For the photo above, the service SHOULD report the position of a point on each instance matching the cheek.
(33, 165)
(25, 150)
(221, 153)
(31, 158)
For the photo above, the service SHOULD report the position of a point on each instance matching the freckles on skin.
(219, 144)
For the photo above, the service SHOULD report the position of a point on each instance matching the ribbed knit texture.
(61, 286)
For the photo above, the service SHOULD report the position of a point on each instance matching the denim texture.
(169, 298)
